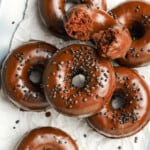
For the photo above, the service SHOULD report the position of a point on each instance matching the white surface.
(32, 29)
(10, 16)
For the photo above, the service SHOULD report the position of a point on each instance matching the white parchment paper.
(11, 132)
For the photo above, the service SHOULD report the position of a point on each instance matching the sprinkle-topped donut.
(53, 13)
(22, 75)
(78, 97)
(128, 111)
(135, 15)
(47, 138)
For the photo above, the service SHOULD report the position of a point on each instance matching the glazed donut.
(47, 138)
(53, 13)
(77, 82)
(135, 15)
(128, 111)
(22, 75)
(86, 23)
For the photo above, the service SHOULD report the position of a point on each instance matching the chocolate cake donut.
(47, 138)
(135, 15)
(22, 75)
(128, 111)
(82, 97)
(53, 13)
(86, 23)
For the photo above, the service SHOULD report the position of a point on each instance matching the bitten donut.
(135, 15)
(113, 42)
(77, 82)
(47, 138)
(86, 23)
(128, 111)
(53, 13)
(22, 75)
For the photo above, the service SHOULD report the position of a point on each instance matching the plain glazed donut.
(47, 138)
(86, 23)
(135, 15)
(22, 74)
(83, 98)
(128, 111)
(53, 13)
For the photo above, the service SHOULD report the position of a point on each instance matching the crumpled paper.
(11, 131)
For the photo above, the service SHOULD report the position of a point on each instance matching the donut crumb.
(135, 139)
(17, 121)
(13, 22)
(84, 135)
(59, 142)
(47, 114)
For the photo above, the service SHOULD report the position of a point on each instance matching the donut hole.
(35, 74)
(79, 81)
(118, 100)
(137, 30)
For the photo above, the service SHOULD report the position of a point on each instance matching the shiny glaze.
(53, 13)
(128, 13)
(133, 116)
(15, 75)
(71, 61)
(47, 138)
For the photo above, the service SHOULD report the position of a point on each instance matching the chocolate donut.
(85, 23)
(47, 138)
(77, 82)
(22, 75)
(53, 13)
(128, 111)
(135, 15)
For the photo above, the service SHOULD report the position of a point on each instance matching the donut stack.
(80, 79)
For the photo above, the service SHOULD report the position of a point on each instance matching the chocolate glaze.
(17, 84)
(53, 13)
(47, 138)
(66, 64)
(134, 113)
(135, 15)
